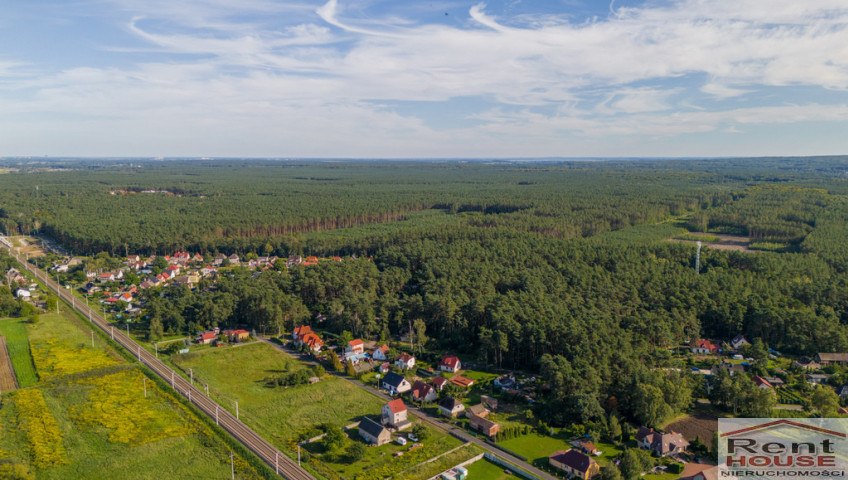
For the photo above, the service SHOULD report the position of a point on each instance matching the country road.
(282, 464)
(432, 421)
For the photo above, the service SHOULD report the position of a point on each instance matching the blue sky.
(398, 79)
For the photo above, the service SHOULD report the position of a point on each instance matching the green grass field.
(107, 428)
(534, 446)
(281, 414)
(484, 469)
(17, 342)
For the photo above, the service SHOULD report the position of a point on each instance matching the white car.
(401, 441)
(413, 437)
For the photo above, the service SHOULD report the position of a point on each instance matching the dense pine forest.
(567, 269)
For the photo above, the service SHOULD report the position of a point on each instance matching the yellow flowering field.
(54, 358)
(42, 431)
(118, 403)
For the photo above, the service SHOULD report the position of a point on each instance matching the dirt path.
(8, 381)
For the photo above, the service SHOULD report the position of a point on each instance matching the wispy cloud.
(307, 78)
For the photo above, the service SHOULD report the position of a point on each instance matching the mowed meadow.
(286, 415)
(82, 412)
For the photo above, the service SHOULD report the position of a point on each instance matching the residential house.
(395, 383)
(705, 347)
(311, 260)
(355, 347)
(490, 402)
(662, 444)
(219, 259)
(807, 364)
(405, 361)
(699, 471)
(239, 335)
(395, 415)
(843, 392)
(234, 259)
(738, 341)
(106, 277)
(574, 463)
(373, 432)
(423, 392)
(478, 410)
(205, 338)
(381, 353)
(23, 293)
(483, 425)
(208, 271)
(384, 367)
(816, 378)
(461, 381)
(832, 358)
(451, 407)
(294, 260)
(439, 383)
(304, 335)
(762, 382)
(13, 276)
(450, 363)
(585, 446)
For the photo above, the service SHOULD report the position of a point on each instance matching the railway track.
(282, 464)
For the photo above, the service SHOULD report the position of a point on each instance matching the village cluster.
(423, 384)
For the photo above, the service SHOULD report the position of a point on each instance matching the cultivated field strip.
(8, 381)
(283, 465)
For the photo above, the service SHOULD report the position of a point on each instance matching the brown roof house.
(373, 432)
(483, 425)
(423, 392)
(574, 463)
(829, 358)
(662, 444)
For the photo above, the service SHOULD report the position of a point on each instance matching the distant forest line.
(563, 268)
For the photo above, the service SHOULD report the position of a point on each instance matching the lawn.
(534, 446)
(17, 343)
(92, 419)
(282, 414)
(484, 469)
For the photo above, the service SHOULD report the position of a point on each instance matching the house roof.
(706, 471)
(355, 343)
(833, 357)
(240, 332)
(439, 382)
(302, 330)
(383, 348)
(478, 409)
(573, 459)
(405, 358)
(396, 406)
(483, 423)
(421, 389)
(207, 335)
(450, 361)
(760, 381)
(450, 403)
(462, 381)
(393, 379)
(371, 427)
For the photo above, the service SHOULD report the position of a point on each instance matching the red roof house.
(450, 363)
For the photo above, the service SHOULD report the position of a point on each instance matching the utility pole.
(236, 409)
(216, 414)
(191, 375)
(138, 350)
(112, 329)
(232, 466)
(92, 339)
(172, 379)
(298, 454)
(156, 346)
(277, 463)
(207, 392)
(144, 381)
